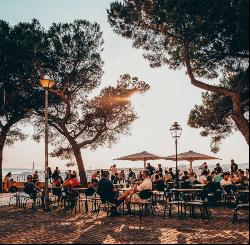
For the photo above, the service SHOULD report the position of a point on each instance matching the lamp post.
(176, 131)
(47, 85)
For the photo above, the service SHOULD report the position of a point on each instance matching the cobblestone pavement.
(21, 227)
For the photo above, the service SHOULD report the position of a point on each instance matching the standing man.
(114, 172)
(160, 170)
(234, 167)
(151, 169)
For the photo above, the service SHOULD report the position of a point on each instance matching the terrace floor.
(25, 226)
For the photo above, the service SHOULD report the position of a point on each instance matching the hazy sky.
(170, 99)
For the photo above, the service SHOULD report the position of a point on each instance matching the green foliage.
(78, 120)
(215, 34)
(213, 116)
(21, 47)
(215, 31)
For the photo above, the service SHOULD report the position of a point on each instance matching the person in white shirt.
(132, 196)
(203, 178)
(226, 180)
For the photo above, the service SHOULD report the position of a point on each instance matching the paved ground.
(19, 226)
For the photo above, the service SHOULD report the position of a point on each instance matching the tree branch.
(202, 85)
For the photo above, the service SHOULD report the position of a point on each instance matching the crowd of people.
(159, 177)
(106, 182)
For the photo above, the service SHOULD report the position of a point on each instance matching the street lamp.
(176, 131)
(47, 85)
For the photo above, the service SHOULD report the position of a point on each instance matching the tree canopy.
(208, 37)
(79, 121)
(21, 46)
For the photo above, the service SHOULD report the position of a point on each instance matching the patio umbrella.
(143, 156)
(191, 156)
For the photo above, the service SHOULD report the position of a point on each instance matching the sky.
(170, 99)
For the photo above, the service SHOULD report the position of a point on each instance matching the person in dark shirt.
(31, 190)
(49, 174)
(131, 174)
(159, 183)
(170, 171)
(151, 169)
(92, 188)
(35, 178)
(56, 173)
(116, 179)
(185, 176)
(106, 190)
(160, 170)
(218, 168)
(234, 167)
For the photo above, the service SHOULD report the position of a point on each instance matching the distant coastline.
(20, 174)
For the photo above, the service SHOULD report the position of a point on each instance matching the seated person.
(71, 182)
(106, 190)
(133, 196)
(226, 180)
(122, 177)
(95, 175)
(57, 184)
(185, 176)
(192, 179)
(211, 176)
(167, 177)
(7, 182)
(203, 178)
(218, 177)
(92, 188)
(241, 178)
(131, 174)
(170, 171)
(35, 178)
(154, 175)
(31, 190)
(218, 168)
(116, 179)
(159, 183)
(69, 193)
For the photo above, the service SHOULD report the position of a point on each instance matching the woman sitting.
(7, 182)
(72, 182)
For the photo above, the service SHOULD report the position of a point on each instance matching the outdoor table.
(242, 187)
(243, 191)
(187, 190)
(156, 194)
(199, 185)
(80, 189)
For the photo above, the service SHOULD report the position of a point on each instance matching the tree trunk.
(242, 124)
(1, 168)
(2, 141)
(81, 168)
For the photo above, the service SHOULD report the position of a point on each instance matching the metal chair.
(144, 203)
(175, 199)
(242, 202)
(201, 202)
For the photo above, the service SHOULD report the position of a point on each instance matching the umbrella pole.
(145, 164)
(191, 164)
